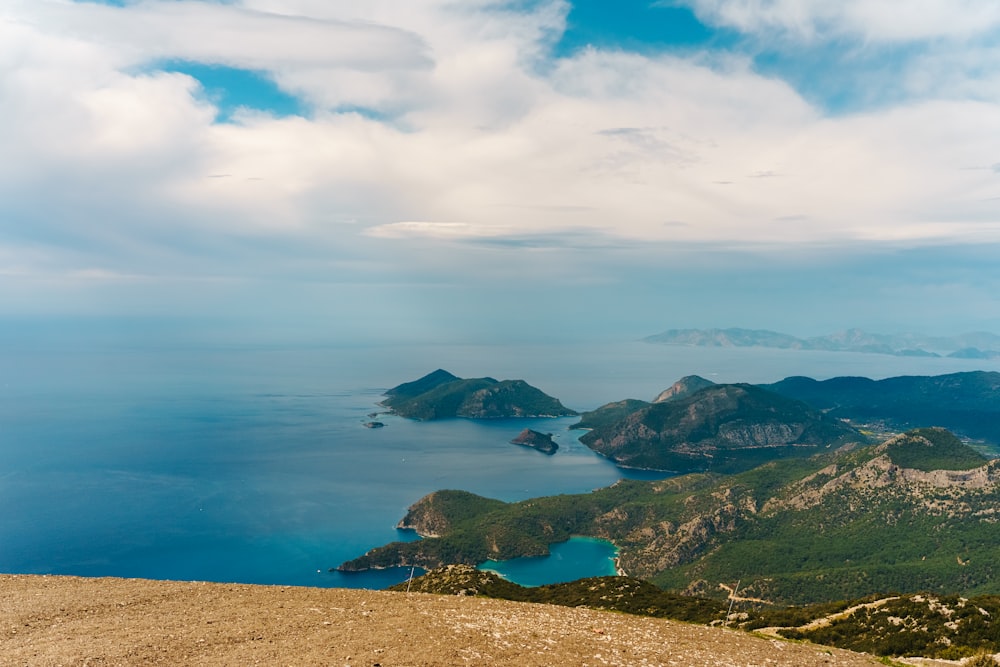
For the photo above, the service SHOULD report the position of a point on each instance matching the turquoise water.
(252, 464)
(577, 558)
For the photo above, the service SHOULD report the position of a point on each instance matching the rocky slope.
(723, 428)
(49, 621)
(683, 388)
(838, 525)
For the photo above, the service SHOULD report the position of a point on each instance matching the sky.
(432, 170)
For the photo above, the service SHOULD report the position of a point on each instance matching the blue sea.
(251, 463)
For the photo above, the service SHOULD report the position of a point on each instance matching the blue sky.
(438, 170)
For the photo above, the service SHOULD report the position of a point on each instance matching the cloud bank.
(442, 123)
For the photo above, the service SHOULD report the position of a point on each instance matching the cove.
(577, 558)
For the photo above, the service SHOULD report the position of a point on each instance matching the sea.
(251, 463)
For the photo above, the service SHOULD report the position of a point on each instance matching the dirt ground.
(73, 621)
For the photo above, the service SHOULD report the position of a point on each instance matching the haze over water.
(251, 463)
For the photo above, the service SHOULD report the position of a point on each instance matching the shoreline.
(611, 562)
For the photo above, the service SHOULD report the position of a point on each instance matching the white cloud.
(872, 20)
(121, 170)
(442, 230)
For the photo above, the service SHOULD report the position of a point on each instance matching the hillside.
(722, 428)
(967, 403)
(945, 627)
(838, 525)
(49, 621)
(441, 395)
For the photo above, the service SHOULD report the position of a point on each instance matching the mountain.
(838, 525)
(974, 353)
(981, 344)
(432, 380)
(724, 428)
(967, 403)
(684, 387)
(610, 413)
(732, 337)
(441, 395)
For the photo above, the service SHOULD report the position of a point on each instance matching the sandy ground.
(73, 621)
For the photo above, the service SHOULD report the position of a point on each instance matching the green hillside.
(441, 395)
(720, 428)
(838, 525)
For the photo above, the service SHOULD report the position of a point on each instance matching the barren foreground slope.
(74, 621)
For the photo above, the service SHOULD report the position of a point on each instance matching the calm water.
(252, 464)
(575, 559)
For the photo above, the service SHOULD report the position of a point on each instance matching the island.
(441, 395)
(975, 345)
(543, 442)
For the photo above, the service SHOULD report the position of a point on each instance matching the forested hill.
(918, 512)
(441, 395)
(967, 403)
(719, 428)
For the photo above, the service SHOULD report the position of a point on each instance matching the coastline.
(572, 559)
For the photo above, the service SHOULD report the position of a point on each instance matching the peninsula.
(917, 512)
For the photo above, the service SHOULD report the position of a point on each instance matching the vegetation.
(945, 627)
(609, 414)
(723, 428)
(624, 594)
(933, 449)
(441, 395)
(797, 531)
(967, 403)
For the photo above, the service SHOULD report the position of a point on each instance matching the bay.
(252, 464)
(577, 558)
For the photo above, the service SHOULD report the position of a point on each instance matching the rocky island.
(543, 442)
(441, 395)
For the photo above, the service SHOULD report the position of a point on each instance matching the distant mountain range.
(975, 345)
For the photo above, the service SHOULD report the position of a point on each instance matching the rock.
(541, 441)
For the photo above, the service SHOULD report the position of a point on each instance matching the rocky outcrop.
(684, 387)
(543, 442)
